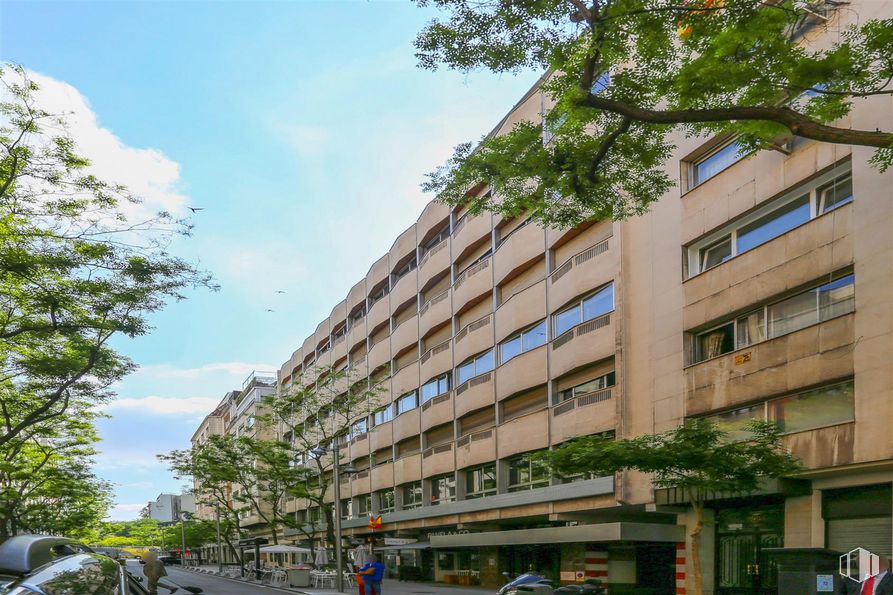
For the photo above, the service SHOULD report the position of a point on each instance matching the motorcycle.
(534, 584)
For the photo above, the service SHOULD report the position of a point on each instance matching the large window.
(407, 402)
(383, 415)
(479, 364)
(526, 340)
(386, 501)
(816, 408)
(362, 505)
(480, 481)
(779, 318)
(591, 386)
(592, 306)
(796, 207)
(708, 166)
(443, 489)
(406, 268)
(441, 236)
(412, 495)
(435, 386)
(526, 474)
(359, 428)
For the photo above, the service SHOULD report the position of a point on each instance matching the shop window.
(594, 385)
(386, 501)
(794, 208)
(480, 481)
(809, 307)
(526, 474)
(443, 489)
(412, 495)
(475, 366)
(528, 339)
(435, 386)
(592, 306)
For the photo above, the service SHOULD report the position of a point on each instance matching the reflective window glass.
(773, 224)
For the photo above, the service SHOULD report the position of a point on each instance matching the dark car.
(40, 565)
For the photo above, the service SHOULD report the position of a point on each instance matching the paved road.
(211, 585)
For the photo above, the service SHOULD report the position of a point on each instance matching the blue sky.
(303, 128)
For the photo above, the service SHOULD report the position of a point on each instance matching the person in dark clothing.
(372, 573)
(879, 584)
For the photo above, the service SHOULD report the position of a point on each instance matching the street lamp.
(336, 474)
(184, 516)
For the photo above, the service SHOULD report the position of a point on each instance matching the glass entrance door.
(742, 535)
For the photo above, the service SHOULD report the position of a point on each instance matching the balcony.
(406, 379)
(434, 261)
(598, 231)
(408, 469)
(475, 393)
(520, 310)
(814, 355)
(517, 250)
(824, 447)
(381, 436)
(360, 483)
(382, 477)
(587, 342)
(523, 434)
(438, 459)
(379, 312)
(472, 283)
(584, 271)
(359, 446)
(438, 410)
(407, 424)
(339, 347)
(436, 360)
(405, 335)
(434, 312)
(380, 354)
(356, 334)
(473, 338)
(586, 414)
(521, 372)
(468, 232)
(404, 289)
(475, 449)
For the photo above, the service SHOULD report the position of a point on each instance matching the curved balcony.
(407, 424)
(588, 342)
(521, 310)
(324, 359)
(403, 245)
(382, 477)
(475, 449)
(339, 347)
(521, 372)
(468, 232)
(517, 250)
(379, 355)
(473, 338)
(356, 334)
(434, 261)
(378, 313)
(472, 283)
(599, 230)
(405, 335)
(381, 436)
(584, 271)
(438, 410)
(586, 414)
(404, 289)
(405, 380)
(359, 447)
(475, 393)
(434, 312)
(360, 483)
(438, 460)
(378, 272)
(436, 360)
(523, 434)
(434, 216)
(408, 469)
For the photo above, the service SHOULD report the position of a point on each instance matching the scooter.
(526, 583)
(591, 586)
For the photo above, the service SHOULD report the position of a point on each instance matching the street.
(211, 585)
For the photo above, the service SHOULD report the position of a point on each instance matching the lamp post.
(219, 545)
(336, 474)
(183, 517)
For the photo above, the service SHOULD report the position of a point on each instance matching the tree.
(697, 457)
(624, 75)
(321, 407)
(78, 266)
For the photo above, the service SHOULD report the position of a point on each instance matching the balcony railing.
(580, 258)
(598, 396)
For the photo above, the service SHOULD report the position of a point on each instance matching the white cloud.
(155, 405)
(126, 512)
(147, 172)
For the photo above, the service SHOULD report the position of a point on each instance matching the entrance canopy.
(602, 532)
(408, 546)
(284, 549)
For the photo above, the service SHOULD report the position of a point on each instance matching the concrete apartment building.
(758, 288)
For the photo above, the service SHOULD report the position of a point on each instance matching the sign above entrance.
(398, 541)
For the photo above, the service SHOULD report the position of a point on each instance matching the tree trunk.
(696, 546)
(330, 526)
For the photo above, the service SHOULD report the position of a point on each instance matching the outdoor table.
(298, 577)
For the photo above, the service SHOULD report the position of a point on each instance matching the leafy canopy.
(624, 75)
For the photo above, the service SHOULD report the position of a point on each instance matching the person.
(154, 570)
(879, 584)
(360, 585)
(372, 573)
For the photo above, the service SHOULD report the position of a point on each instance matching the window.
(808, 410)
(480, 481)
(405, 269)
(443, 489)
(477, 260)
(322, 349)
(475, 366)
(386, 501)
(378, 294)
(357, 315)
(591, 386)
(706, 167)
(601, 83)
(345, 509)
(435, 386)
(780, 318)
(339, 332)
(412, 495)
(526, 474)
(382, 456)
(407, 402)
(795, 208)
(382, 416)
(599, 303)
(526, 340)
(362, 505)
(441, 236)
(359, 428)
